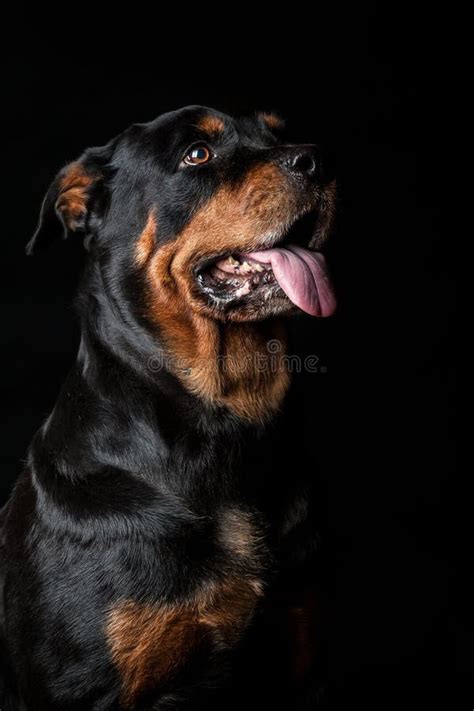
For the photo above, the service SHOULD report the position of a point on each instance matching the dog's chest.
(151, 643)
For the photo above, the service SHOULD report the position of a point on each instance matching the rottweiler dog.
(151, 557)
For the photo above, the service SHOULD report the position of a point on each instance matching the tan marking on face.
(255, 379)
(236, 219)
(223, 366)
(150, 643)
(274, 122)
(211, 124)
(327, 212)
(146, 241)
(256, 207)
(73, 187)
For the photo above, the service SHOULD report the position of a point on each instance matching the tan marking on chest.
(150, 643)
(239, 535)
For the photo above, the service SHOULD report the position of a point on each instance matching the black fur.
(126, 479)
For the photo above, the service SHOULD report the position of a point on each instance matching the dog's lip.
(299, 271)
(279, 238)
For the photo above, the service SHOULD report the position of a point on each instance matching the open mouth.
(290, 271)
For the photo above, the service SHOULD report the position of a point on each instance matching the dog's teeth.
(232, 261)
(246, 268)
(258, 267)
(243, 291)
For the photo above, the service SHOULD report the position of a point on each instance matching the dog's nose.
(302, 161)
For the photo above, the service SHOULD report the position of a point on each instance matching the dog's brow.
(211, 124)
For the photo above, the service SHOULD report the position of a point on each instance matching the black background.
(380, 416)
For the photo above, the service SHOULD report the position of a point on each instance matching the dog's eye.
(197, 155)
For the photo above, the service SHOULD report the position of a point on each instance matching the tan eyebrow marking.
(273, 121)
(211, 124)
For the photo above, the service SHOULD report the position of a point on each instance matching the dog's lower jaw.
(241, 367)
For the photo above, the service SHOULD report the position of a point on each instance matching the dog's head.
(216, 215)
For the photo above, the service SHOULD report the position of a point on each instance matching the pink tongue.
(303, 276)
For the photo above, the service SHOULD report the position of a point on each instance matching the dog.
(149, 557)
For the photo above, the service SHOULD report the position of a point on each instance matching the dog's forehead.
(191, 117)
(171, 127)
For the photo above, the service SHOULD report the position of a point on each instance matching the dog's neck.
(188, 415)
(238, 367)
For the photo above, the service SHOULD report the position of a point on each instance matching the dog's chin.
(234, 286)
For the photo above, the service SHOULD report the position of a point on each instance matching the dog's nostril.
(303, 162)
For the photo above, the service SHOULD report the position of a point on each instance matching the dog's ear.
(71, 200)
